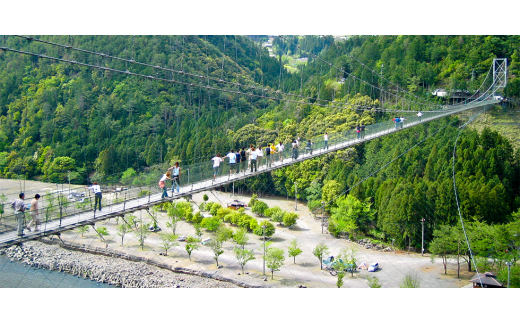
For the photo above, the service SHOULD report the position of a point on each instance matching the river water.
(18, 275)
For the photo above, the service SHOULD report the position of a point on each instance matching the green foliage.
(167, 242)
(222, 212)
(224, 233)
(270, 211)
(331, 190)
(351, 215)
(274, 259)
(216, 247)
(240, 237)
(128, 176)
(191, 245)
(243, 256)
(122, 229)
(83, 229)
(265, 228)
(196, 218)
(319, 251)
(205, 197)
(214, 209)
(373, 282)
(144, 193)
(294, 249)
(259, 208)
(211, 223)
(289, 219)
(254, 199)
(141, 233)
(410, 280)
(278, 215)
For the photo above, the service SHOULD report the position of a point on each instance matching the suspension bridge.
(337, 141)
(199, 177)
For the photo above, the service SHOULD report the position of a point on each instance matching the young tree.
(191, 244)
(211, 223)
(82, 229)
(205, 197)
(198, 230)
(349, 258)
(264, 228)
(442, 245)
(340, 268)
(141, 233)
(319, 251)
(294, 249)
(277, 216)
(122, 229)
(224, 233)
(216, 247)
(168, 241)
(240, 237)
(102, 231)
(243, 256)
(274, 259)
(373, 282)
(259, 208)
(410, 280)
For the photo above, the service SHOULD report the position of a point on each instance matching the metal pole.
(233, 189)
(295, 194)
(422, 239)
(263, 227)
(508, 264)
(68, 177)
(322, 216)
(188, 176)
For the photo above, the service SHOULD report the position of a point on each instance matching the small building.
(235, 205)
(488, 279)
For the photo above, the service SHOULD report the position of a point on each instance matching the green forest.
(57, 117)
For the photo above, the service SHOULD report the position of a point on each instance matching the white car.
(205, 241)
(373, 266)
(181, 238)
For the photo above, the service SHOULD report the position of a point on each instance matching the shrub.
(197, 218)
(253, 225)
(244, 221)
(269, 229)
(228, 217)
(253, 200)
(289, 218)
(313, 205)
(270, 211)
(214, 209)
(259, 208)
(202, 206)
(223, 212)
(211, 224)
(278, 216)
(205, 197)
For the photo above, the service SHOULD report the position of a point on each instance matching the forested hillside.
(56, 117)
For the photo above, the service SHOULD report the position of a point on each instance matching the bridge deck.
(70, 222)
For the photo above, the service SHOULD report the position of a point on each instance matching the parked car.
(181, 238)
(373, 266)
(205, 241)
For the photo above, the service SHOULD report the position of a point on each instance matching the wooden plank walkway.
(55, 226)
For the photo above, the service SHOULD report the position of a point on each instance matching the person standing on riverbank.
(34, 214)
(97, 195)
(19, 212)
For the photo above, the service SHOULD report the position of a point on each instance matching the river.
(18, 275)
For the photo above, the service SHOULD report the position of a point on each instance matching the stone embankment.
(111, 269)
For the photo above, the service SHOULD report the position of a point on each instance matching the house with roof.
(486, 280)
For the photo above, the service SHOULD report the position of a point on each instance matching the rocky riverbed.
(114, 271)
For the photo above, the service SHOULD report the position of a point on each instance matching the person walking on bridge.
(280, 148)
(308, 148)
(363, 131)
(397, 120)
(19, 209)
(253, 156)
(326, 141)
(162, 184)
(358, 131)
(419, 115)
(97, 195)
(268, 155)
(34, 214)
(243, 159)
(216, 165)
(232, 161)
(176, 177)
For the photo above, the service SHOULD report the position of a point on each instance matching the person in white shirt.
(280, 148)
(232, 161)
(326, 140)
(253, 156)
(419, 115)
(97, 195)
(176, 177)
(216, 165)
(259, 154)
(19, 209)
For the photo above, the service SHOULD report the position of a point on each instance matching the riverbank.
(103, 269)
